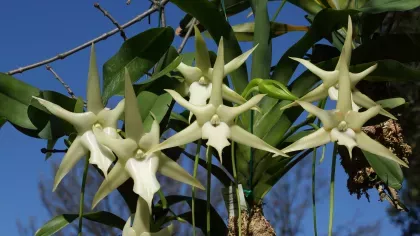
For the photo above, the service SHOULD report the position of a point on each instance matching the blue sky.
(36, 30)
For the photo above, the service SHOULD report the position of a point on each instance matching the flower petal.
(232, 96)
(326, 117)
(202, 58)
(364, 101)
(109, 118)
(141, 222)
(73, 155)
(217, 136)
(315, 139)
(218, 75)
(94, 99)
(127, 230)
(202, 113)
(172, 169)
(344, 60)
(99, 155)
(228, 114)
(329, 78)
(133, 122)
(366, 143)
(168, 231)
(187, 135)
(117, 176)
(143, 172)
(152, 138)
(124, 148)
(344, 138)
(191, 74)
(242, 136)
(356, 77)
(199, 93)
(316, 94)
(333, 93)
(80, 121)
(238, 61)
(355, 120)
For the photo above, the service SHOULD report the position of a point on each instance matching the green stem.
(82, 195)
(197, 157)
(334, 159)
(237, 188)
(278, 10)
(208, 157)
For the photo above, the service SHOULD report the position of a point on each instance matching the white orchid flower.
(133, 161)
(343, 124)
(199, 79)
(215, 121)
(141, 223)
(97, 115)
(329, 85)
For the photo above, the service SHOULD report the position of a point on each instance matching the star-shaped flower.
(141, 223)
(215, 121)
(134, 158)
(97, 115)
(343, 124)
(329, 85)
(199, 79)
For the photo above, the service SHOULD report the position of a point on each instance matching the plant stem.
(197, 157)
(278, 10)
(237, 189)
(208, 158)
(82, 195)
(334, 159)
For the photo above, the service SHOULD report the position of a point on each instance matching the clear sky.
(36, 30)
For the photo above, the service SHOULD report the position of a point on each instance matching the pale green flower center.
(342, 127)
(215, 120)
(98, 125)
(203, 81)
(139, 154)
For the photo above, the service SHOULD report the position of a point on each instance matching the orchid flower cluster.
(344, 124)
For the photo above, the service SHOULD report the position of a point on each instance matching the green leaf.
(15, 97)
(389, 171)
(56, 224)
(378, 6)
(139, 54)
(50, 145)
(211, 18)
(325, 22)
(172, 66)
(245, 32)
(296, 136)
(310, 6)
(391, 103)
(105, 218)
(158, 104)
(59, 222)
(2, 121)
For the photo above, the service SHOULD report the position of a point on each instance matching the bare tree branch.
(106, 13)
(63, 55)
(69, 91)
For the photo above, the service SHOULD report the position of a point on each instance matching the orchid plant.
(155, 135)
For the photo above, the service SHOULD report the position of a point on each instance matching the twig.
(136, 19)
(61, 81)
(187, 35)
(162, 18)
(106, 13)
(44, 150)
